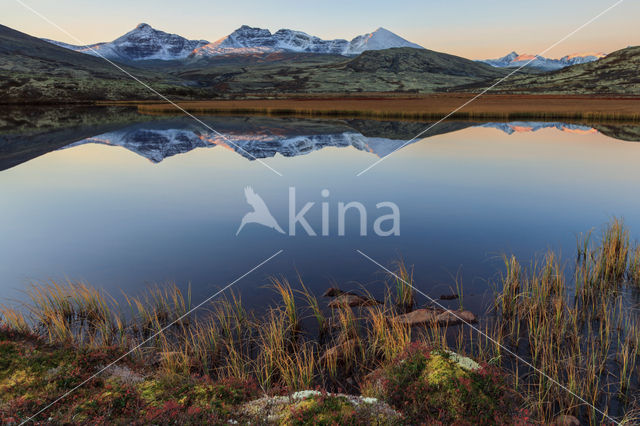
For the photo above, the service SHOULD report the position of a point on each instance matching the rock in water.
(351, 300)
(340, 351)
(449, 297)
(566, 420)
(435, 316)
(335, 292)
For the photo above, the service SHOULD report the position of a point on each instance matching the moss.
(437, 386)
(321, 411)
(441, 370)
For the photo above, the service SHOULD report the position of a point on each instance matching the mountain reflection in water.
(156, 138)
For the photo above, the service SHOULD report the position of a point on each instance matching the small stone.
(566, 420)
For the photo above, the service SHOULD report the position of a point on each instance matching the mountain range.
(147, 43)
(616, 73)
(514, 60)
(257, 62)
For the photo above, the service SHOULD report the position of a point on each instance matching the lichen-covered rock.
(313, 407)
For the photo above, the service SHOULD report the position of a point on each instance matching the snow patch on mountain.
(142, 43)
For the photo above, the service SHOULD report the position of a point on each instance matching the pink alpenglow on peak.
(514, 60)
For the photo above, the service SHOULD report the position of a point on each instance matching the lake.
(123, 201)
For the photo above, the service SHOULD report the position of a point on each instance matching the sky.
(467, 28)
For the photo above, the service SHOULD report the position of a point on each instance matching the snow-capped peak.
(249, 39)
(141, 43)
(145, 42)
(514, 59)
(377, 40)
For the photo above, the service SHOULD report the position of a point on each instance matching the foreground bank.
(557, 342)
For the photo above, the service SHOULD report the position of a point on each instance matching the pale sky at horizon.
(467, 28)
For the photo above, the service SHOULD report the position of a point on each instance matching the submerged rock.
(351, 300)
(430, 316)
(335, 292)
(340, 351)
(449, 296)
(566, 420)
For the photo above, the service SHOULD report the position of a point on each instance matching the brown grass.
(433, 106)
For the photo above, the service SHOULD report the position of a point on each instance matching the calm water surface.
(160, 201)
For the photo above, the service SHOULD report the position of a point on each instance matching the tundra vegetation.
(573, 323)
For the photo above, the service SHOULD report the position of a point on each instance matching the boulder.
(430, 316)
(456, 317)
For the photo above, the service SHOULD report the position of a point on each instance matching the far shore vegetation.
(414, 107)
(358, 361)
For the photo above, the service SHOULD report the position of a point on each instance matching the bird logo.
(260, 213)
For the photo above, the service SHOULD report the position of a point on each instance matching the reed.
(386, 339)
(570, 333)
(634, 266)
(403, 279)
(317, 312)
(283, 288)
(14, 319)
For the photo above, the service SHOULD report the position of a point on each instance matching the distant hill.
(617, 73)
(391, 70)
(32, 70)
(421, 61)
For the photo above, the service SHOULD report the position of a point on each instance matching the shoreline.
(407, 107)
